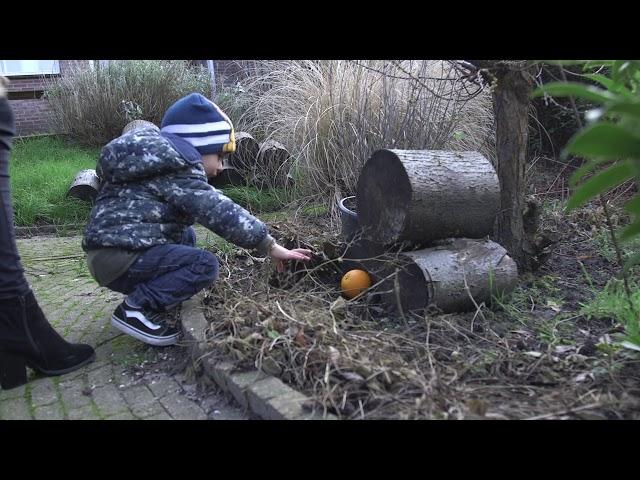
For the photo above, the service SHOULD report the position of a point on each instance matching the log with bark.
(418, 196)
(274, 164)
(228, 177)
(456, 275)
(137, 124)
(240, 165)
(246, 155)
(85, 186)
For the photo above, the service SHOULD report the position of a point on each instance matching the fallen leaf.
(300, 340)
(338, 307)
(522, 332)
(477, 407)
(577, 358)
(352, 376)
(583, 376)
(564, 348)
(534, 354)
(553, 306)
(271, 367)
(629, 345)
(334, 355)
(273, 334)
(497, 416)
(604, 339)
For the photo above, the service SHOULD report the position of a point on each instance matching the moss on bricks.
(28, 401)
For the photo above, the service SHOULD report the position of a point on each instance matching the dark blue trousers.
(166, 275)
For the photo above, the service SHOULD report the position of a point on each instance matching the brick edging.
(264, 395)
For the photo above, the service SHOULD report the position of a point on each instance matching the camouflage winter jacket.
(153, 187)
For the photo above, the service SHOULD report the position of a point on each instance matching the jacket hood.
(145, 153)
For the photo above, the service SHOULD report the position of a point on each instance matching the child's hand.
(279, 254)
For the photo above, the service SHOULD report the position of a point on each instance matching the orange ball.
(354, 282)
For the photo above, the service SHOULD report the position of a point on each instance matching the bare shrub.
(332, 115)
(93, 105)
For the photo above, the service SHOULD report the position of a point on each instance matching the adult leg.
(12, 279)
(26, 337)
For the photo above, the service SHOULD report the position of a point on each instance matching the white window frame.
(52, 68)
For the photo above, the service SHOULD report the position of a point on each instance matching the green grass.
(612, 302)
(128, 352)
(315, 211)
(602, 241)
(537, 304)
(42, 170)
(209, 240)
(532, 292)
(256, 200)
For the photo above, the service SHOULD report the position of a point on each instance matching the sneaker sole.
(144, 337)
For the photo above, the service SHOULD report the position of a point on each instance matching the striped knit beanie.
(200, 122)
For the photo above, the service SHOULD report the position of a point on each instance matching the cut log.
(85, 186)
(228, 176)
(137, 124)
(447, 275)
(423, 195)
(274, 165)
(246, 155)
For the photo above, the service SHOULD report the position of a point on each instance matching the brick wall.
(32, 117)
(32, 112)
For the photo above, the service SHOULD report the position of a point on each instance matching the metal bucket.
(358, 246)
(85, 186)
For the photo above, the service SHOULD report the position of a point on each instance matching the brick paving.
(129, 380)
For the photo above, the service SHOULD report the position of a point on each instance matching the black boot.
(27, 339)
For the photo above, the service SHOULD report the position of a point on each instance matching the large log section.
(274, 162)
(246, 155)
(452, 275)
(423, 195)
(238, 166)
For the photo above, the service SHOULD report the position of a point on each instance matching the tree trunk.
(419, 196)
(452, 275)
(512, 88)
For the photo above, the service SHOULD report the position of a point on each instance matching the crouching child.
(140, 239)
